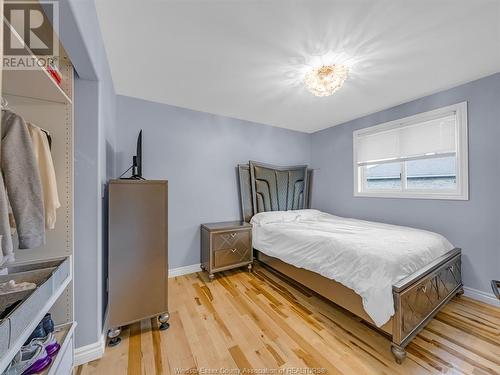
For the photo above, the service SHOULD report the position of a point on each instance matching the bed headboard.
(265, 187)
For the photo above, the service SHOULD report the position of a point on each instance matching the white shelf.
(36, 83)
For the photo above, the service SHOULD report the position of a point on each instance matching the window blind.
(435, 137)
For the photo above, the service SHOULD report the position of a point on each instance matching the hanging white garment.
(43, 156)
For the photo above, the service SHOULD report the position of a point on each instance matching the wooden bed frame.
(417, 298)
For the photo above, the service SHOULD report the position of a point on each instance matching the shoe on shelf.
(48, 323)
(31, 359)
(39, 332)
(49, 342)
(43, 328)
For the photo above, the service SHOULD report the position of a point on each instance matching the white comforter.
(365, 256)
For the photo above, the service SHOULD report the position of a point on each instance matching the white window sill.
(413, 195)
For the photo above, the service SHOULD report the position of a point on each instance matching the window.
(422, 156)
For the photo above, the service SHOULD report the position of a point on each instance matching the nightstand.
(226, 245)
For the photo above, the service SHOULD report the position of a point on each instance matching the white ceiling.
(246, 59)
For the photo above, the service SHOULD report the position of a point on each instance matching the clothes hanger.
(49, 137)
(4, 103)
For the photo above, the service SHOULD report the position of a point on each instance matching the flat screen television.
(137, 159)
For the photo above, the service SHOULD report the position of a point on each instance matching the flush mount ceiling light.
(324, 80)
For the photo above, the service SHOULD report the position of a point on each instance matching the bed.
(419, 289)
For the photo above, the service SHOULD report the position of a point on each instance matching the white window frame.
(462, 159)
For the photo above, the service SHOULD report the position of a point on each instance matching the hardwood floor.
(262, 321)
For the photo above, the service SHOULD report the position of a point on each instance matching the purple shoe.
(49, 343)
(39, 365)
(52, 349)
(31, 359)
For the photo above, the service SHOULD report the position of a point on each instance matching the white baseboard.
(186, 270)
(91, 352)
(479, 295)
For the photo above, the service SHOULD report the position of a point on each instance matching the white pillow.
(273, 217)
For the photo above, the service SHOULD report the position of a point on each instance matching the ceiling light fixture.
(324, 80)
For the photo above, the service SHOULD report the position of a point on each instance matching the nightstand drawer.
(227, 257)
(226, 245)
(231, 240)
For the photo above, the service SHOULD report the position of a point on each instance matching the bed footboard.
(420, 296)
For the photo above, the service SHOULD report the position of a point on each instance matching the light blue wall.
(473, 225)
(198, 153)
(95, 135)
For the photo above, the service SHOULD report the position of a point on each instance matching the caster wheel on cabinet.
(113, 335)
(163, 319)
(114, 342)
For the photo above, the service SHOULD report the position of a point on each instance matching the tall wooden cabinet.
(138, 253)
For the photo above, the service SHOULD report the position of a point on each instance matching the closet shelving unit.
(35, 96)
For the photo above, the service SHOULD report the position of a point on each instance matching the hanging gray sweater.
(22, 183)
